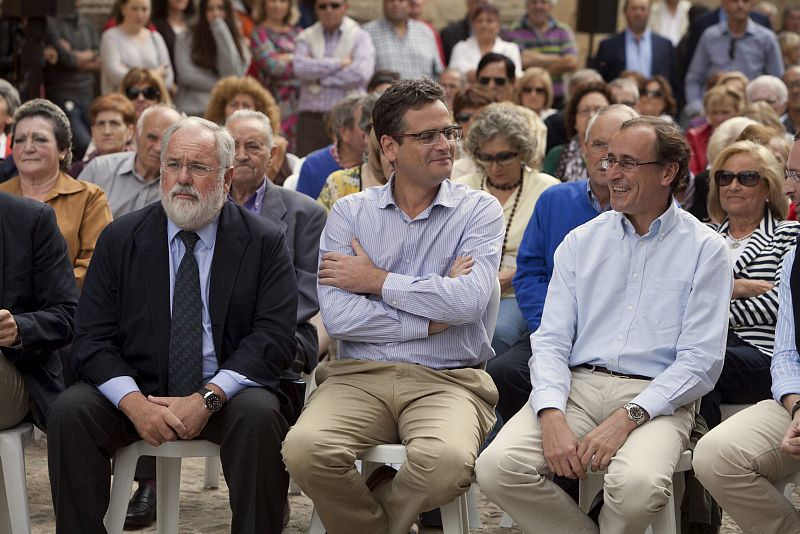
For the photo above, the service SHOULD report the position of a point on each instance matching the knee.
(447, 471)
(499, 468)
(638, 493)
(711, 458)
(70, 411)
(307, 453)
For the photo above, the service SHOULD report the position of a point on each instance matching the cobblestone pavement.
(205, 511)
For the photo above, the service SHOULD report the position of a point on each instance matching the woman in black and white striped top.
(746, 198)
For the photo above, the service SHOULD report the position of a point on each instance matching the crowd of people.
(216, 198)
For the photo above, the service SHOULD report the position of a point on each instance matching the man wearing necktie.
(187, 320)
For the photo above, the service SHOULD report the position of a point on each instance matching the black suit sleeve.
(306, 256)
(45, 322)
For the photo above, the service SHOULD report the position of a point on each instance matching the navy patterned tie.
(186, 327)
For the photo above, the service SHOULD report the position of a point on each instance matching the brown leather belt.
(598, 369)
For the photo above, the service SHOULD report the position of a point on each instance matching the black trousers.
(86, 430)
(745, 379)
(512, 377)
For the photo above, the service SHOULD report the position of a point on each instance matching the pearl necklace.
(737, 241)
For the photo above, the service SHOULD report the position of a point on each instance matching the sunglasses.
(537, 90)
(745, 178)
(499, 82)
(657, 93)
(502, 158)
(463, 117)
(331, 5)
(151, 93)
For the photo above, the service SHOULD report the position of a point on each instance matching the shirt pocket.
(664, 303)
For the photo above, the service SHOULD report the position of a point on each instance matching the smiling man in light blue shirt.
(632, 334)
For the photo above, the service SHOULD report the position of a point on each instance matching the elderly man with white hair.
(769, 89)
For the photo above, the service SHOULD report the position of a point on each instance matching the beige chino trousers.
(513, 473)
(442, 417)
(738, 461)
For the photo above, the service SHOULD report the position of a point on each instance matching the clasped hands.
(162, 419)
(567, 457)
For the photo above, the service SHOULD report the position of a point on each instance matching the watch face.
(635, 412)
(213, 402)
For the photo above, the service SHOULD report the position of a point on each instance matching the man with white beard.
(171, 345)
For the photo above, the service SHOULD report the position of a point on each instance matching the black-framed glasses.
(745, 178)
(656, 93)
(501, 158)
(430, 137)
(537, 90)
(329, 5)
(627, 165)
(196, 170)
(149, 93)
(463, 117)
(498, 81)
(792, 174)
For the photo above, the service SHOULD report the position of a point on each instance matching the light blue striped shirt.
(785, 359)
(655, 305)
(418, 254)
(639, 54)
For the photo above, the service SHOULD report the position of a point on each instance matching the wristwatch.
(795, 407)
(212, 400)
(636, 413)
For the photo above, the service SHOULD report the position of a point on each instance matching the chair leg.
(213, 470)
(124, 470)
(168, 475)
(316, 526)
(454, 516)
(294, 489)
(472, 509)
(14, 484)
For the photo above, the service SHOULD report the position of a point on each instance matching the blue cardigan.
(315, 171)
(559, 209)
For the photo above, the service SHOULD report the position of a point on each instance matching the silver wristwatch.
(636, 413)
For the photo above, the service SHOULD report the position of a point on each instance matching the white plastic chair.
(168, 479)
(461, 514)
(14, 517)
(666, 522)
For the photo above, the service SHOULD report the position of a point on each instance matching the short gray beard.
(189, 215)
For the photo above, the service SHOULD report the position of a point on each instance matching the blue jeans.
(511, 325)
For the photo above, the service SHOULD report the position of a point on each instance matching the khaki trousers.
(442, 417)
(737, 462)
(13, 395)
(513, 473)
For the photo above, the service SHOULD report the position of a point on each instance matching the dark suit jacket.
(610, 58)
(122, 325)
(38, 287)
(453, 33)
(301, 219)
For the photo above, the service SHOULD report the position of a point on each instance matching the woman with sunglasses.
(132, 44)
(747, 202)
(144, 88)
(497, 74)
(566, 162)
(211, 49)
(504, 148)
(535, 91)
(485, 38)
(656, 100)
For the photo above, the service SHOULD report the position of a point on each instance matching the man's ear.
(390, 148)
(670, 171)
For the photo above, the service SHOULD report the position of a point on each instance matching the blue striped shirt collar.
(662, 225)
(446, 197)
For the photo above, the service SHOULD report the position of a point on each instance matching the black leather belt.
(598, 369)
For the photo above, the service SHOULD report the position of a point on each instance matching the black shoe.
(141, 508)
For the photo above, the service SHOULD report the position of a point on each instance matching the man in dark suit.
(300, 218)
(185, 324)
(637, 48)
(38, 296)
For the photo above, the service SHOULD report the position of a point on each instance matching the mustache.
(179, 189)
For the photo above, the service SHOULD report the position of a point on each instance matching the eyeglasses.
(793, 85)
(150, 93)
(745, 178)
(501, 158)
(430, 137)
(627, 165)
(537, 90)
(196, 170)
(463, 117)
(498, 81)
(791, 174)
(331, 5)
(598, 147)
(589, 111)
(657, 93)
